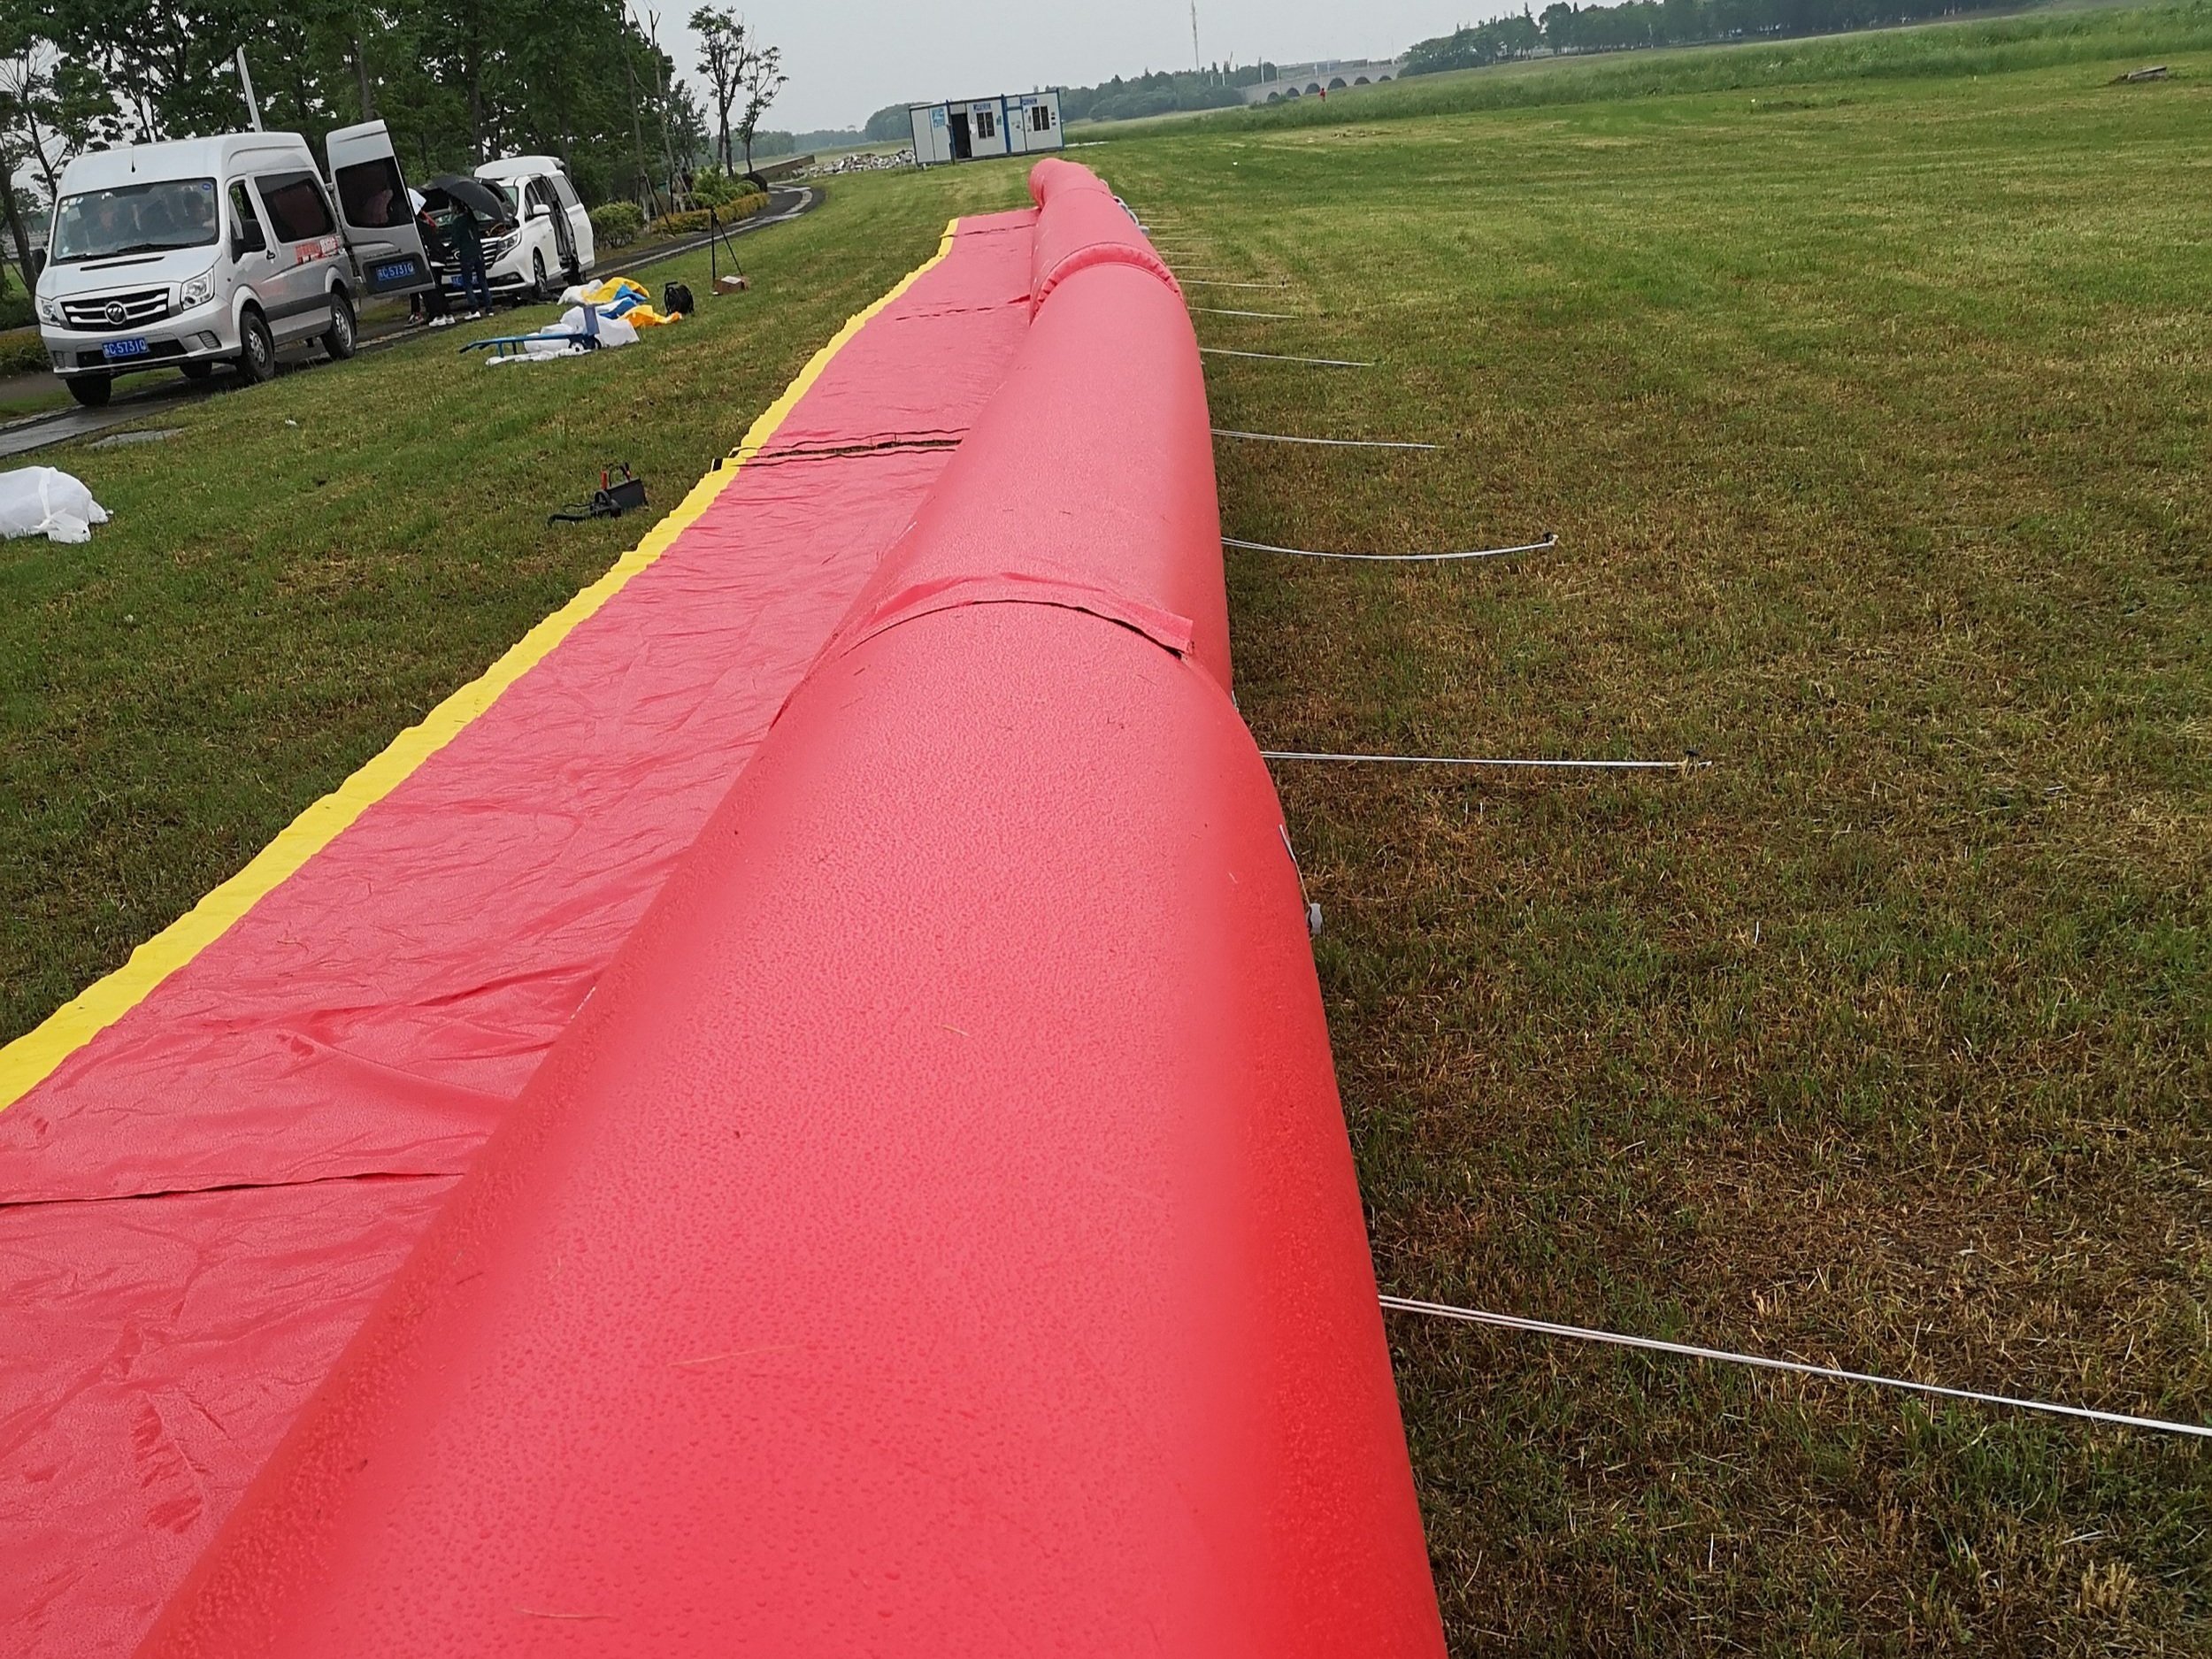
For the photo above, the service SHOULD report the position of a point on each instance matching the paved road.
(38, 431)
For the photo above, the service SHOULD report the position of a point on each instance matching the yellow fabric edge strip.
(33, 1057)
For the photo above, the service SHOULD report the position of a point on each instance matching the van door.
(297, 300)
(253, 260)
(542, 202)
(580, 238)
(375, 214)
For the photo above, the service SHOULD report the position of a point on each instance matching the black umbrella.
(479, 198)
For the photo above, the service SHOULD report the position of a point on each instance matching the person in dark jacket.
(468, 254)
(429, 305)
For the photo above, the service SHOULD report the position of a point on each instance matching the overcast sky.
(848, 57)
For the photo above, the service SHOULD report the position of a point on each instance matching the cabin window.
(296, 204)
(373, 195)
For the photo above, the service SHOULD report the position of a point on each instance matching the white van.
(552, 247)
(209, 251)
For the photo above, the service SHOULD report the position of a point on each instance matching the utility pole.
(1197, 62)
(253, 109)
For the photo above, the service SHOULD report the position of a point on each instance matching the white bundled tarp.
(44, 501)
(612, 331)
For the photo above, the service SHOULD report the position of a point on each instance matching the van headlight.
(199, 290)
(50, 310)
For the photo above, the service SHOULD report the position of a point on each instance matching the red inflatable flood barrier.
(937, 1233)
(214, 1161)
(1082, 224)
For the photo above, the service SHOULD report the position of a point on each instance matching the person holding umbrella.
(472, 197)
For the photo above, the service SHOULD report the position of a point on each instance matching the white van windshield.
(136, 219)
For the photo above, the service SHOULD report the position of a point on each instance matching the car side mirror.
(38, 262)
(538, 210)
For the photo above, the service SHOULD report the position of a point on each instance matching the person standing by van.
(429, 306)
(468, 254)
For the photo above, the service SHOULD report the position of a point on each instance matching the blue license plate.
(115, 348)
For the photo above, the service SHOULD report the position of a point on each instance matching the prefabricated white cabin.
(969, 129)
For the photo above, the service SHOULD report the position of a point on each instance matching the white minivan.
(207, 251)
(552, 247)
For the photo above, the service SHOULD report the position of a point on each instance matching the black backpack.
(676, 300)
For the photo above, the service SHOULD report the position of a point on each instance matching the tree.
(51, 106)
(12, 156)
(457, 81)
(724, 52)
(761, 76)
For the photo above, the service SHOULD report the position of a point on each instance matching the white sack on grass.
(613, 332)
(43, 500)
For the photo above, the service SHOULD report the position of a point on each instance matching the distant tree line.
(1563, 28)
(458, 81)
(1161, 92)
(772, 143)
(888, 123)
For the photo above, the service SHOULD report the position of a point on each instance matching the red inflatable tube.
(937, 1234)
(202, 1202)
(1058, 486)
(1081, 225)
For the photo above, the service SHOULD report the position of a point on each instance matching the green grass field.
(1869, 394)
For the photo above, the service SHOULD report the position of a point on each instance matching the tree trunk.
(15, 229)
(361, 75)
(299, 83)
(45, 162)
(668, 137)
(637, 126)
(473, 69)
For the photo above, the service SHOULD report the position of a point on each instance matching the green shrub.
(616, 224)
(15, 306)
(22, 352)
(717, 188)
(692, 223)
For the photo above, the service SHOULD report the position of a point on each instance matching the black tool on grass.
(614, 497)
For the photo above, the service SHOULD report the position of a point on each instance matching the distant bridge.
(1310, 80)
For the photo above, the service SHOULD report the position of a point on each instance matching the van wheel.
(256, 349)
(539, 291)
(91, 390)
(339, 340)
